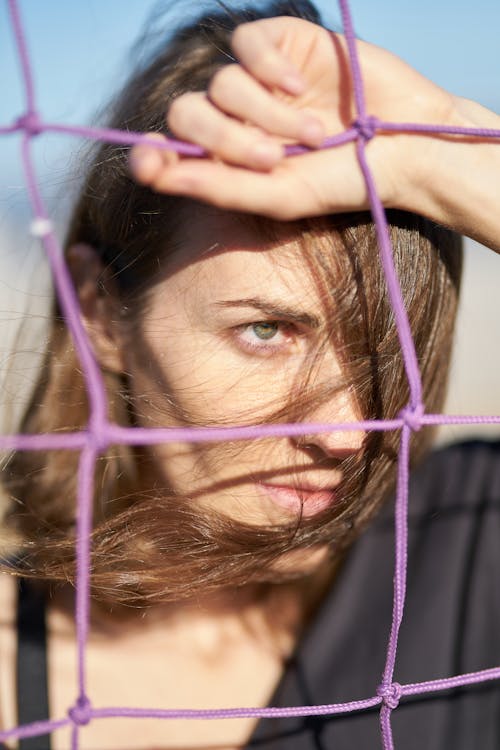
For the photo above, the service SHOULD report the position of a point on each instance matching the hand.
(292, 84)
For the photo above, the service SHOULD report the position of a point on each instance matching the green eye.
(264, 330)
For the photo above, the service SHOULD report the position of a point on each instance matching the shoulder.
(464, 476)
(469, 450)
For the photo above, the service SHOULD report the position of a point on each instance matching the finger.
(258, 51)
(146, 162)
(233, 188)
(237, 93)
(192, 117)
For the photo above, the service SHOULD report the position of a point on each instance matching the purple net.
(100, 433)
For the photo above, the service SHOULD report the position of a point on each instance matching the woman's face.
(229, 338)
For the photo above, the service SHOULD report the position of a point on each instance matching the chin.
(303, 562)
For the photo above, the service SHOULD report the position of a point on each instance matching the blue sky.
(80, 52)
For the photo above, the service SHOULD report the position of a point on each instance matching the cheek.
(199, 381)
(195, 389)
(207, 471)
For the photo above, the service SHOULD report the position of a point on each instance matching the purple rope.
(151, 436)
(82, 714)
(33, 730)
(355, 68)
(84, 528)
(100, 433)
(33, 125)
(397, 304)
(471, 678)
(236, 713)
(24, 60)
(414, 127)
(390, 691)
(75, 736)
(66, 295)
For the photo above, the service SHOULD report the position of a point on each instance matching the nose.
(341, 409)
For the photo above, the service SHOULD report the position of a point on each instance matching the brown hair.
(140, 548)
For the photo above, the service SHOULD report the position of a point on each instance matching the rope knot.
(98, 439)
(81, 712)
(366, 127)
(390, 694)
(412, 416)
(30, 123)
(41, 226)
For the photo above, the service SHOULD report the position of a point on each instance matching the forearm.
(250, 110)
(459, 186)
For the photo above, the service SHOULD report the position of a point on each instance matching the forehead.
(223, 252)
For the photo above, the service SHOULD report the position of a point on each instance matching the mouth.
(296, 498)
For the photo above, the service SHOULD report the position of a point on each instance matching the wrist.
(456, 179)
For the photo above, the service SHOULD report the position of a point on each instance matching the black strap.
(32, 684)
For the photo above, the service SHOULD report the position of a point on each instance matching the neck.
(279, 611)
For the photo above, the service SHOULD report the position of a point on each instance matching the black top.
(451, 624)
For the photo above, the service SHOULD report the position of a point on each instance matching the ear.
(98, 298)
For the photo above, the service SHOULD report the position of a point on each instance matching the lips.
(294, 498)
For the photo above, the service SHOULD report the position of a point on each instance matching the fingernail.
(143, 160)
(312, 132)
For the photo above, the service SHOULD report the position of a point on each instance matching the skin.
(291, 83)
(227, 649)
(204, 352)
(221, 343)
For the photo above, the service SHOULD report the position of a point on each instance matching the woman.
(219, 569)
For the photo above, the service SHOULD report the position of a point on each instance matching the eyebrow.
(274, 309)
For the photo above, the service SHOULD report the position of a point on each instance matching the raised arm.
(292, 84)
